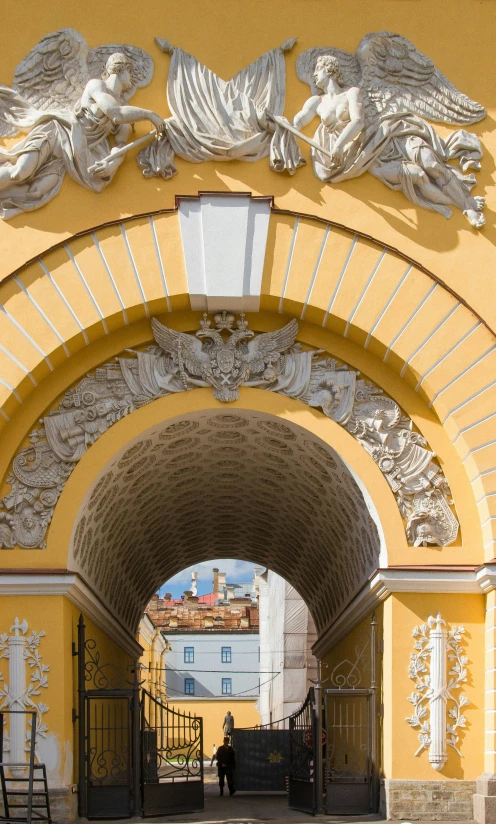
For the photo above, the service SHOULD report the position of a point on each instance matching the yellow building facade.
(353, 453)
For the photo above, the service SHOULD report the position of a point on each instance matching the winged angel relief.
(372, 106)
(71, 100)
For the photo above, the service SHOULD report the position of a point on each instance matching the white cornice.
(73, 588)
(384, 582)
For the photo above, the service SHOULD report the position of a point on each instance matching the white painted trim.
(11, 389)
(160, 262)
(468, 400)
(428, 338)
(409, 321)
(87, 288)
(110, 277)
(64, 300)
(340, 280)
(462, 373)
(72, 587)
(43, 315)
(364, 292)
(388, 304)
(288, 265)
(316, 271)
(28, 338)
(384, 582)
(446, 355)
(135, 269)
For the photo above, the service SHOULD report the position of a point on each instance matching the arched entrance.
(231, 483)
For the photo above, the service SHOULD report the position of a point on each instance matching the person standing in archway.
(228, 725)
(226, 764)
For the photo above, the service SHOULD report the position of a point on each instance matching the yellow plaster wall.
(227, 38)
(403, 612)
(213, 713)
(339, 662)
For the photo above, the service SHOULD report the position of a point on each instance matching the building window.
(226, 686)
(189, 655)
(189, 686)
(226, 655)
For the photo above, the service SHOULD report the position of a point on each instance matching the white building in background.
(287, 633)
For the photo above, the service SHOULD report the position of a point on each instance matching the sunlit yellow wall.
(213, 713)
(227, 37)
(348, 665)
(402, 613)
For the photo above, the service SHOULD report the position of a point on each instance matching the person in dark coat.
(226, 764)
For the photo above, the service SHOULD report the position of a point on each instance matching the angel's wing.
(397, 76)
(182, 346)
(142, 64)
(270, 345)
(350, 67)
(55, 72)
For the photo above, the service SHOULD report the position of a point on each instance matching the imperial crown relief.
(226, 356)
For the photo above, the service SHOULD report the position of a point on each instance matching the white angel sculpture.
(70, 99)
(371, 105)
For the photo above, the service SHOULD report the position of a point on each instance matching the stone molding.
(384, 582)
(76, 590)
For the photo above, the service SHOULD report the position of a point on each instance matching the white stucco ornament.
(22, 651)
(222, 120)
(73, 102)
(373, 107)
(226, 355)
(438, 712)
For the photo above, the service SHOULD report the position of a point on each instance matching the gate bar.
(82, 801)
(136, 739)
(317, 752)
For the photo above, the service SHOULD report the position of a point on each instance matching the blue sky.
(236, 571)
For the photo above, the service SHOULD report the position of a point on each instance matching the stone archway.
(215, 483)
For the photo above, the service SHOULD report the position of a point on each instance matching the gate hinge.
(380, 711)
(74, 649)
(75, 716)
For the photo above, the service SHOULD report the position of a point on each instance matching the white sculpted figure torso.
(70, 114)
(369, 106)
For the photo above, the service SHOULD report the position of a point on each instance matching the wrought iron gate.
(108, 715)
(172, 759)
(302, 735)
(350, 724)
(262, 758)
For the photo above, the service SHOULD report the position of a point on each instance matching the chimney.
(215, 586)
(167, 596)
(194, 582)
(221, 585)
(190, 600)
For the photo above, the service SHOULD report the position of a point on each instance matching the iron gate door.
(262, 759)
(302, 735)
(108, 749)
(108, 753)
(349, 771)
(172, 759)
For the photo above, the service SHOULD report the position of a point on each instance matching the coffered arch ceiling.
(237, 484)
(325, 274)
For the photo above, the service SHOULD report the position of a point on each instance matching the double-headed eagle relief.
(226, 356)
(373, 106)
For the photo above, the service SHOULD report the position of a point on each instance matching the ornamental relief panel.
(225, 354)
(373, 106)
